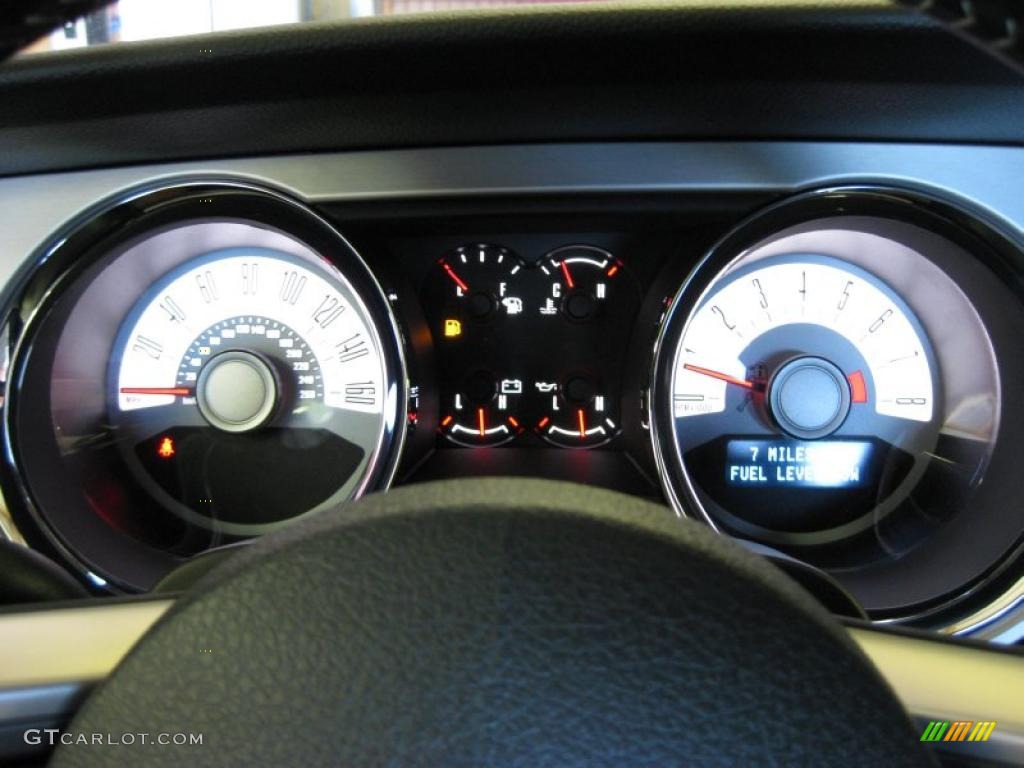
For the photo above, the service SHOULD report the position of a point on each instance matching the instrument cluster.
(530, 349)
(824, 375)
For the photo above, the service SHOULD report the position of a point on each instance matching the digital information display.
(798, 464)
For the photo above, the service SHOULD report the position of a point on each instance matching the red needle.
(481, 421)
(580, 418)
(568, 277)
(458, 280)
(178, 391)
(721, 376)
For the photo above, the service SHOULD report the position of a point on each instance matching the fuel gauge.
(475, 286)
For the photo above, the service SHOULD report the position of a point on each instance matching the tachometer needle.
(481, 422)
(177, 391)
(721, 376)
(580, 418)
(568, 277)
(458, 280)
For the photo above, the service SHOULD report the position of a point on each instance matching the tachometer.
(802, 389)
(826, 383)
(822, 304)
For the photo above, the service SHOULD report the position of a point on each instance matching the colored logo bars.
(958, 730)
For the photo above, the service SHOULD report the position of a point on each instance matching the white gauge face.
(802, 396)
(250, 387)
(826, 293)
(313, 321)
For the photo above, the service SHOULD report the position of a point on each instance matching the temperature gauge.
(577, 413)
(582, 282)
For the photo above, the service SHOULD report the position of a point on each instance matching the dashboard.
(267, 295)
(759, 264)
(818, 360)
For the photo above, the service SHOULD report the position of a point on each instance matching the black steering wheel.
(497, 622)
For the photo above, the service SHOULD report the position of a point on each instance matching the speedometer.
(202, 363)
(252, 388)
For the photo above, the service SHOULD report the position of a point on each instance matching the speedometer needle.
(723, 377)
(177, 391)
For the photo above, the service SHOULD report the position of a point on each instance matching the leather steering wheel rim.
(497, 622)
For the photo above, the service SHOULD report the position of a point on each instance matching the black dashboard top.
(617, 71)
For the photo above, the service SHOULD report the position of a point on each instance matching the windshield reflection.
(133, 20)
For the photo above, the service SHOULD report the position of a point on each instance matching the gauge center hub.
(809, 397)
(579, 305)
(236, 391)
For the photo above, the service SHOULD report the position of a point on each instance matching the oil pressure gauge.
(578, 414)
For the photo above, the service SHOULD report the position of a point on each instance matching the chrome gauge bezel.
(84, 243)
(953, 220)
